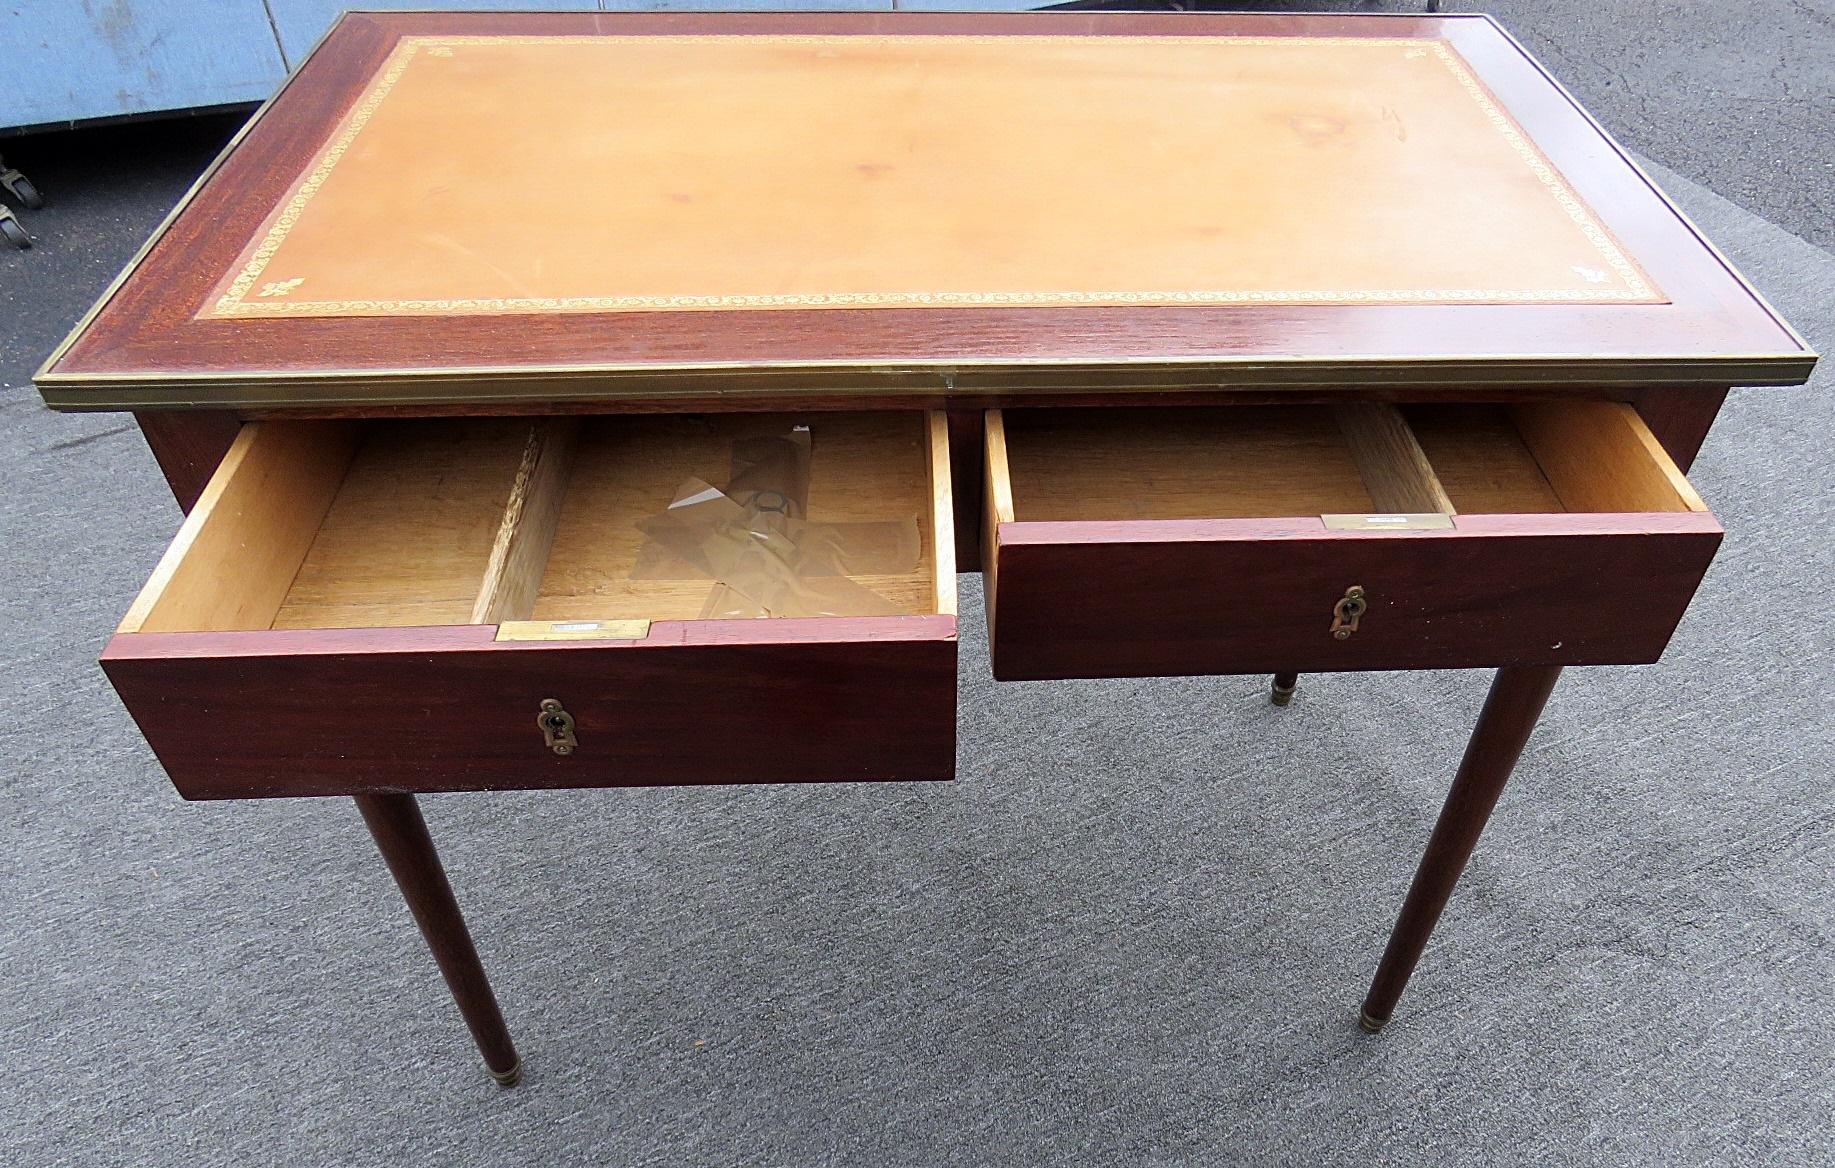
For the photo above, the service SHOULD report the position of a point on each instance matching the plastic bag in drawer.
(762, 552)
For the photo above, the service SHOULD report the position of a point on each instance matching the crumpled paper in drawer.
(762, 553)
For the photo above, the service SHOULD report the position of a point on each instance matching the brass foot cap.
(1369, 1024)
(1281, 695)
(510, 1077)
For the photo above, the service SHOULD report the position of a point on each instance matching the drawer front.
(1566, 579)
(1242, 596)
(357, 607)
(344, 712)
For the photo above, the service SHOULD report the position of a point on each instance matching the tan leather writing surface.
(551, 174)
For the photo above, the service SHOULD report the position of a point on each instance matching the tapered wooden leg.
(1509, 716)
(1281, 692)
(401, 834)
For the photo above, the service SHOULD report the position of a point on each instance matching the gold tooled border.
(233, 300)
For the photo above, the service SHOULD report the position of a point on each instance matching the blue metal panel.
(977, 5)
(301, 22)
(61, 60)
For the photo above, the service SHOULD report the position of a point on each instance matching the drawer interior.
(456, 521)
(1309, 460)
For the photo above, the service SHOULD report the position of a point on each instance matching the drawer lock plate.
(1348, 611)
(557, 727)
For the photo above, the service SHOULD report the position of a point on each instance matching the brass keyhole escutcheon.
(1348, 611)
(557, 727)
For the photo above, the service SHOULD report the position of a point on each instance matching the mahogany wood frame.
(1274, 575)
(350, 711)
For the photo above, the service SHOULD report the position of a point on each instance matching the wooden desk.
(568, 400)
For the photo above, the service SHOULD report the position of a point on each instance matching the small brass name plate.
(1428, 521)
(574, 630)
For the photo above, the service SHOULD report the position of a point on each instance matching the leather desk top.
(452, 208)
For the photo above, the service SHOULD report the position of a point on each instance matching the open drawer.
(450, 604)
(1148, 542)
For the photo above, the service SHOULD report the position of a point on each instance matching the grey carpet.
(1135, 930)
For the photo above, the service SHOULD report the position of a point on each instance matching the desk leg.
(1509, 716)
(401, 834)
(1281, 692)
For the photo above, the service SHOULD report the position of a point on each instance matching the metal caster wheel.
(15, 234)
(20, 187)
(26, 193)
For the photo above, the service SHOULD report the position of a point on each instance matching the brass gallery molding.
(968, 381)
(255, 293)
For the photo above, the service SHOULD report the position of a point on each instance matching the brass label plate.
(574, 630)
(1429, 521)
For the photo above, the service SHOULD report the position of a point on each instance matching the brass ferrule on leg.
(510, 1077)
(1371, 1025)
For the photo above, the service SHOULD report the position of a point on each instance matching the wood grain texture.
(965, 480)
(1480, 459)
(1251, 596)
(188, 445)
(453, 520)
(235, 556)
(1509, 716)
(346, 712)
(941, 522)
(865, 468)
(1713, 332)
(401, 836)
(1680, 418)
(513, 573)
(997, 510)
(408, 538)
(1395, 469)
(1180, 464)
(1599, 456)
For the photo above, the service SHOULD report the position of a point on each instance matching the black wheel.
(15, 234)
(27, 194)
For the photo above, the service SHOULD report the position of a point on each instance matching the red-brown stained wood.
(188, 445)
(1168, 597)
(1680, 418)
(965, 453)
(1712, 318)
(346, 712)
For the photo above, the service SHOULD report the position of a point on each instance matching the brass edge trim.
(159, 232)
(129, 393)
(1624, 155)
(948, 367)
